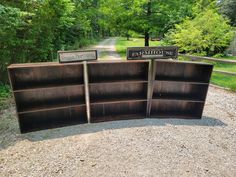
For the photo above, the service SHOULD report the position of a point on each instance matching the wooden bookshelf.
(50, 95)
(118, 90)
(179, 89)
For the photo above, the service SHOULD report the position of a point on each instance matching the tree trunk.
(146, 38)
(149, 5)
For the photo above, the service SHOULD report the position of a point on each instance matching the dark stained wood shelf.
(117, 100)
(117, 117)
(177, 98)
(118, 81)
(48, 107)
(50, 125)
(181, 81)
(175, 115)
(52, 86)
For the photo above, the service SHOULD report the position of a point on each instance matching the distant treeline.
(34, 30)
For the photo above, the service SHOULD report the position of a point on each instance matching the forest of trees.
(34, 30)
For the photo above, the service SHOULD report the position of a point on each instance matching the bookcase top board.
(44, 64)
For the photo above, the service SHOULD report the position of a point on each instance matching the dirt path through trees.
(107, 49)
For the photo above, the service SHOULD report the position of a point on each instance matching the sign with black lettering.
(75, 55)
(135, 53)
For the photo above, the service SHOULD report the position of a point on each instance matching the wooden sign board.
(75, 55)
(135, 53)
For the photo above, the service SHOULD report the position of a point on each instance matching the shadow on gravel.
(97, 127)
(10, 135)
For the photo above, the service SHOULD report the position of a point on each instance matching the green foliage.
(228, 8)
(4, 91)
(123, 16)
(34, 30)
(10, 21)
(5, 94)
(208, 33)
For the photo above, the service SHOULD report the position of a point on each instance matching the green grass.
(224, 81)
(5, 94)
(227, 57)
(225, 67)
(122, 44)
(217, 65)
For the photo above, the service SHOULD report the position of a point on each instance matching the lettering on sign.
(135, 53)
(75, 55)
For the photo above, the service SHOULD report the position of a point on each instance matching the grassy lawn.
(228, 57)
(224, 81)
(122, 44)
(225, 67)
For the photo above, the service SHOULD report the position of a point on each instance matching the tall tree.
(145, 16)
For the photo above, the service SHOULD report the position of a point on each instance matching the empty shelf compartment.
(180, 109)
(176, 90)
(179, 71)
(118, 111)
(35, 100)
(115, 92)
(120, 71)
(47, 76)
(52, 119)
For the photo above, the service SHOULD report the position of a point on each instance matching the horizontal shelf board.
(176, 98)
(183, 62)
(116, 61)
(47, 87)
(117, 100)
(41, 64)
(51, 107)
(117, 117)
(56, 124)
(118, 81)
(174, 115)
(181, 81)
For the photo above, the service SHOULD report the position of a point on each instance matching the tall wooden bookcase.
(179, 89)
(49, 95)
(118, 90)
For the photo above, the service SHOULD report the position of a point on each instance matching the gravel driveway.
(148, 147)
(107, 50)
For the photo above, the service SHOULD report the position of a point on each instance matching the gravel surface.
(148, 147)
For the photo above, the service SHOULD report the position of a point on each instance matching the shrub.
(208, 33)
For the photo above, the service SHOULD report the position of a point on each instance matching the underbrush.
(5, 96)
